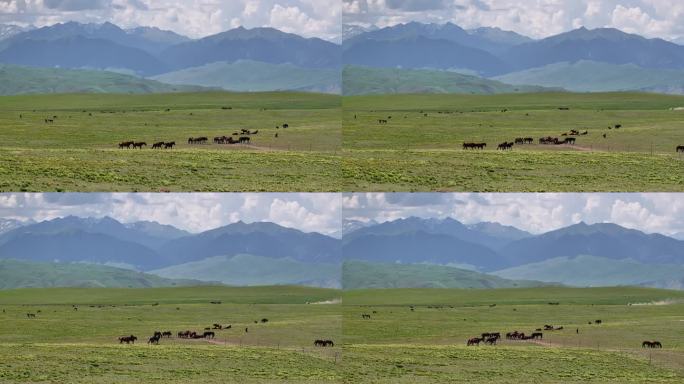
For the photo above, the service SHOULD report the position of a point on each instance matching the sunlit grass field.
(428, 344)
(65, 345)
(79, 150)
(420, 147)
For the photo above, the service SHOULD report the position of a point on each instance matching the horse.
(169, 145)
(209, 335)
(139, 145)
(680, 148)
(366, 316)
(125, 144)
(166, 334)
(473, 341)
(154, 339)
(158, 145)
(127, 339)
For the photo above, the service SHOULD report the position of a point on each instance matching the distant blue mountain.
(267, 45)
(602, 45)
(150, 51)
(491, 246)
(81, 52)
(490, 51)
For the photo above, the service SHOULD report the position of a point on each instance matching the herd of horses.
(244, 138)
(567, 138)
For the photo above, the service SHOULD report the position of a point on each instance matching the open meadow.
(622, 142)
(427, 344)
(74, 336)
(290, 141)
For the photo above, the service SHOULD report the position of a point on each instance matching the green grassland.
(79, 151)
(428, 344)
(415, 152)
(63, 345)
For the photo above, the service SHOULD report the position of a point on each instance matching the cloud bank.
(537, 19)
(536, 213)
(194, 212)
(193, 18)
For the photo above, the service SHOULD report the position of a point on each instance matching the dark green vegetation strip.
(236, 295)
(466, 297)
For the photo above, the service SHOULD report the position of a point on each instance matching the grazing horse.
(537, 335)
(158, 145)
(651, 344)
(154, 339)
(473, 341)
(139, 145)
(166, 334)
(366, 316)
(680, 148)
(125, 144)
(286, 126)
(169, 145)
(127, 339)
(244, 140)
(505, 146)
(491, 340)
(209, 335)
(570, 140)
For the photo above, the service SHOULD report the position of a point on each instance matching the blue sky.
(534, 18)
(194, 212)
(536, 213)
(194, 18)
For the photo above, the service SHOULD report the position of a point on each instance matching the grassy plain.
(79, 151)
(420, 148)
(64, 345)
(428, 344)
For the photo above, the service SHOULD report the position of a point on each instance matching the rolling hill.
(18, 80)
(364, 275)
(592, 271)
(250, 270)
(254, 76)
(21, 274)
(592, 76)
(369, 81)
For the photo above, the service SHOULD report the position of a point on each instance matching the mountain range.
(147, 52)
(626, 61)
(581, 254)
(237, 254)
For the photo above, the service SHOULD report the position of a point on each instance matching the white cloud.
(537, 19)
(193, 212)
(194, 18)
(536, 213)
